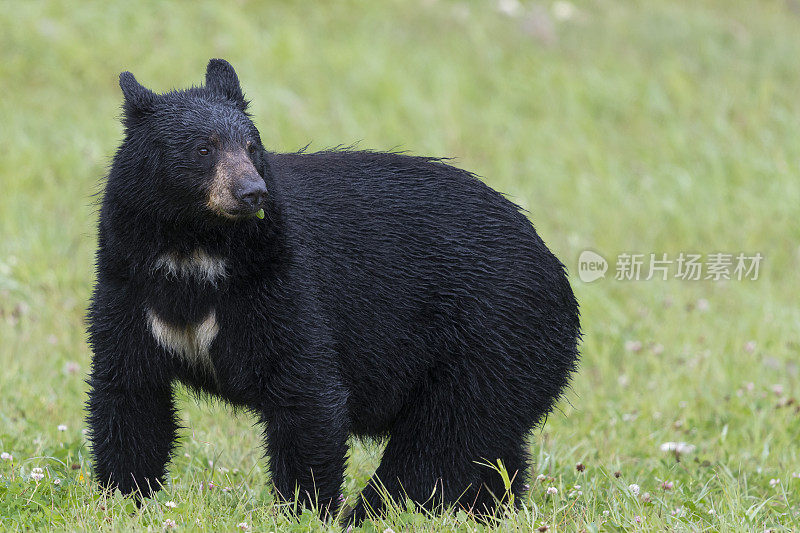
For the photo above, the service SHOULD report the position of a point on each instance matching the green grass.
(631, 127)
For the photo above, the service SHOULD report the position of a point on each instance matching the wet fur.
(382, 295)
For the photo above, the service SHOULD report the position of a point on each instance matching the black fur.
(382, 295)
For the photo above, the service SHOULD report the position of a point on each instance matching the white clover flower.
(170, 524)
(552, 490)
(62, 427)
(606, 512)
(668, 485)
(634, 488)
(243, 526)
(57, 481)
(37, 474)
(5, 456)
(678, 447)
(774, 482)
(541, 477)
(170, 504)
(777, 389)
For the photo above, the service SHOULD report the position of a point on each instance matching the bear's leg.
(493, 490)
(307, 448)
(437, 455)
(132, 429)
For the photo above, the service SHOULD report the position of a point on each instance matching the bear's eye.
(203, 150)
(251, 148)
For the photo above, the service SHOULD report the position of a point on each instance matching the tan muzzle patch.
(233, 168)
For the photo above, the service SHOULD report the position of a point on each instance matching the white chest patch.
(199, 264)
(192, 343)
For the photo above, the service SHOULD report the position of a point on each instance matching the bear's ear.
(222, 79)
(138, 99)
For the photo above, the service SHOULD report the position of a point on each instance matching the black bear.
(334, 294)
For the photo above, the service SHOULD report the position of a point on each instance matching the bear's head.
(190, 154)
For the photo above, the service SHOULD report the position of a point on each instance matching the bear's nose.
(252, 193)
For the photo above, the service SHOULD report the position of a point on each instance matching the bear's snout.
(236, 187)
(252, 192)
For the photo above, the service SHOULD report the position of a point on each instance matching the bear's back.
(379, 200)
(408, 225)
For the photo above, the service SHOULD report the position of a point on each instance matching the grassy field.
(623, 127)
